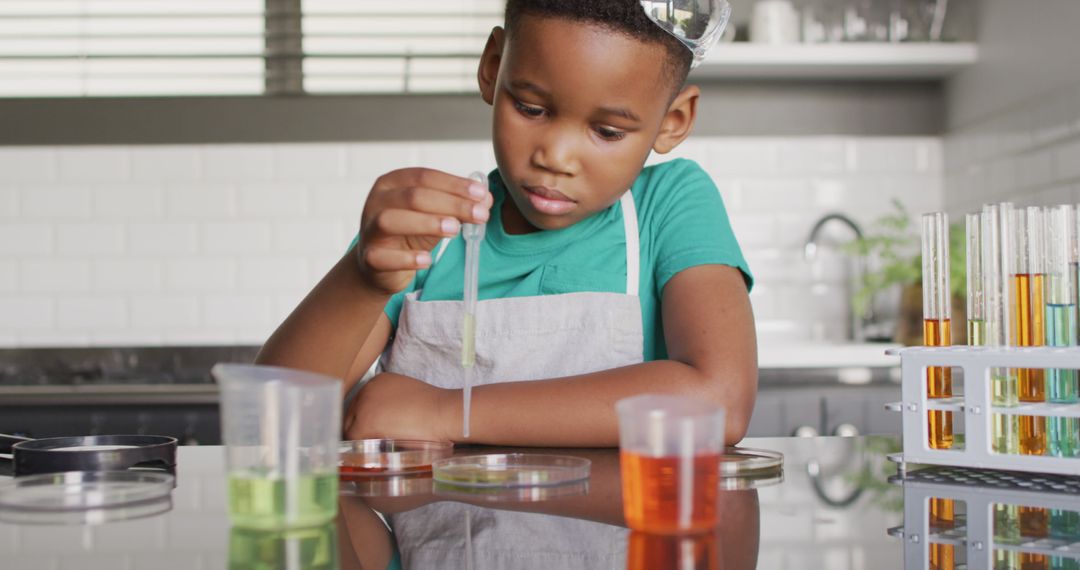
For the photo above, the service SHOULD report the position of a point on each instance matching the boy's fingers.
(398, 222)
(438, 180)
(434, 201)
(390, 259)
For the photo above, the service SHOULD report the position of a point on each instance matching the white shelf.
(881, 61)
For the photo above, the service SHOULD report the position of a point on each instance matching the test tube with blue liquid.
(1060, 284)
(474, 236)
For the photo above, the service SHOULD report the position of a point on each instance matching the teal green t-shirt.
(682, 223)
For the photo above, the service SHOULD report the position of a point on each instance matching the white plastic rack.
(973, 532)
(976, 406)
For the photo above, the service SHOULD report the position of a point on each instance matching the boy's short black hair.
(621, 16)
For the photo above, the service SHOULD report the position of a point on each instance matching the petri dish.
(386, 486)
(93, 516)
(752, 480)
(737, 461)
(510, 470)
(83, 490)
(388, 457)
(532, 494)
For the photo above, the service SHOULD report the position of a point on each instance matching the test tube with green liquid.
(1060, 284)
(997, 259)
(1029, 313)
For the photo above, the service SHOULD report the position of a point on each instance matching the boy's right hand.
(406, 214)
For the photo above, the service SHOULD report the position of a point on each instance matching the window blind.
(88, 48)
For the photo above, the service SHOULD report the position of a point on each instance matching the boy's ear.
(679, 120)
(488, 70)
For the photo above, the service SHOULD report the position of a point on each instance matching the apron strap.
(630, 225)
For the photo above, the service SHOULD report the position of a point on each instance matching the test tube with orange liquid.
(1029, 328)
(937, 330)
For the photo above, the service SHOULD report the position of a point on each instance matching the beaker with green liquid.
(281, 430)
(313, 548)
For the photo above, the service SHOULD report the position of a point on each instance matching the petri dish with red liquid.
(390, 457)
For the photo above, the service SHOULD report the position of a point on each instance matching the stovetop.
(116, 366)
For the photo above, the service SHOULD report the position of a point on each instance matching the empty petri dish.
(510, 470)
(737, 461)
(92, 516)
(386, 457)
(82, 490)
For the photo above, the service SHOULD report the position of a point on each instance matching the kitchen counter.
(825, 355)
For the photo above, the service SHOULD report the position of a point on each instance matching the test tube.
(976, 304)
(937, 312)
(1060, 283)
(1029, 328)
(996, 256)
(997, 261)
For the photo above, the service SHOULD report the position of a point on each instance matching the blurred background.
(176, 175)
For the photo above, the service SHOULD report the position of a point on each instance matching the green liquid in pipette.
(1061, 385)
(468, 340)
(264, 502)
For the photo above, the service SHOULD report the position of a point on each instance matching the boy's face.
(577, 110)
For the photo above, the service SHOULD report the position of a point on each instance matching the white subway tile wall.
(215, 244)
(1027, 153)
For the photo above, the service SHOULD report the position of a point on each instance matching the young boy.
(598, 279)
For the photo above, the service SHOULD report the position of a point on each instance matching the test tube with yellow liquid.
(988, 317)
(1060, 283)
(997, 261)
(937, 311)
(1029, 328)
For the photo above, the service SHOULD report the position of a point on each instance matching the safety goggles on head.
(698, 24)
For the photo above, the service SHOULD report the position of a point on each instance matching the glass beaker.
(670, 450)
(281, 430)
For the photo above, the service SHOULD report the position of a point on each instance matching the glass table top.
(834, 508)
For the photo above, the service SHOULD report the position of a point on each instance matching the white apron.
(517, 339)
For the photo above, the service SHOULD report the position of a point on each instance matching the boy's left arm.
(712, 355)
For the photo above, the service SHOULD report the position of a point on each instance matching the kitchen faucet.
(856, 326)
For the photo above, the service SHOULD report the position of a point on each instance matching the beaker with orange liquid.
(670, 450)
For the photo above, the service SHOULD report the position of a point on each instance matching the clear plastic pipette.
(474, 235)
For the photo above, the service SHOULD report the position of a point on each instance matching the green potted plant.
(892, 252)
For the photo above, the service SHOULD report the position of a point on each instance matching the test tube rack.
(975, 405)
(973, 532)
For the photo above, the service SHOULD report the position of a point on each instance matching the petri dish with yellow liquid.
(510, 470)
